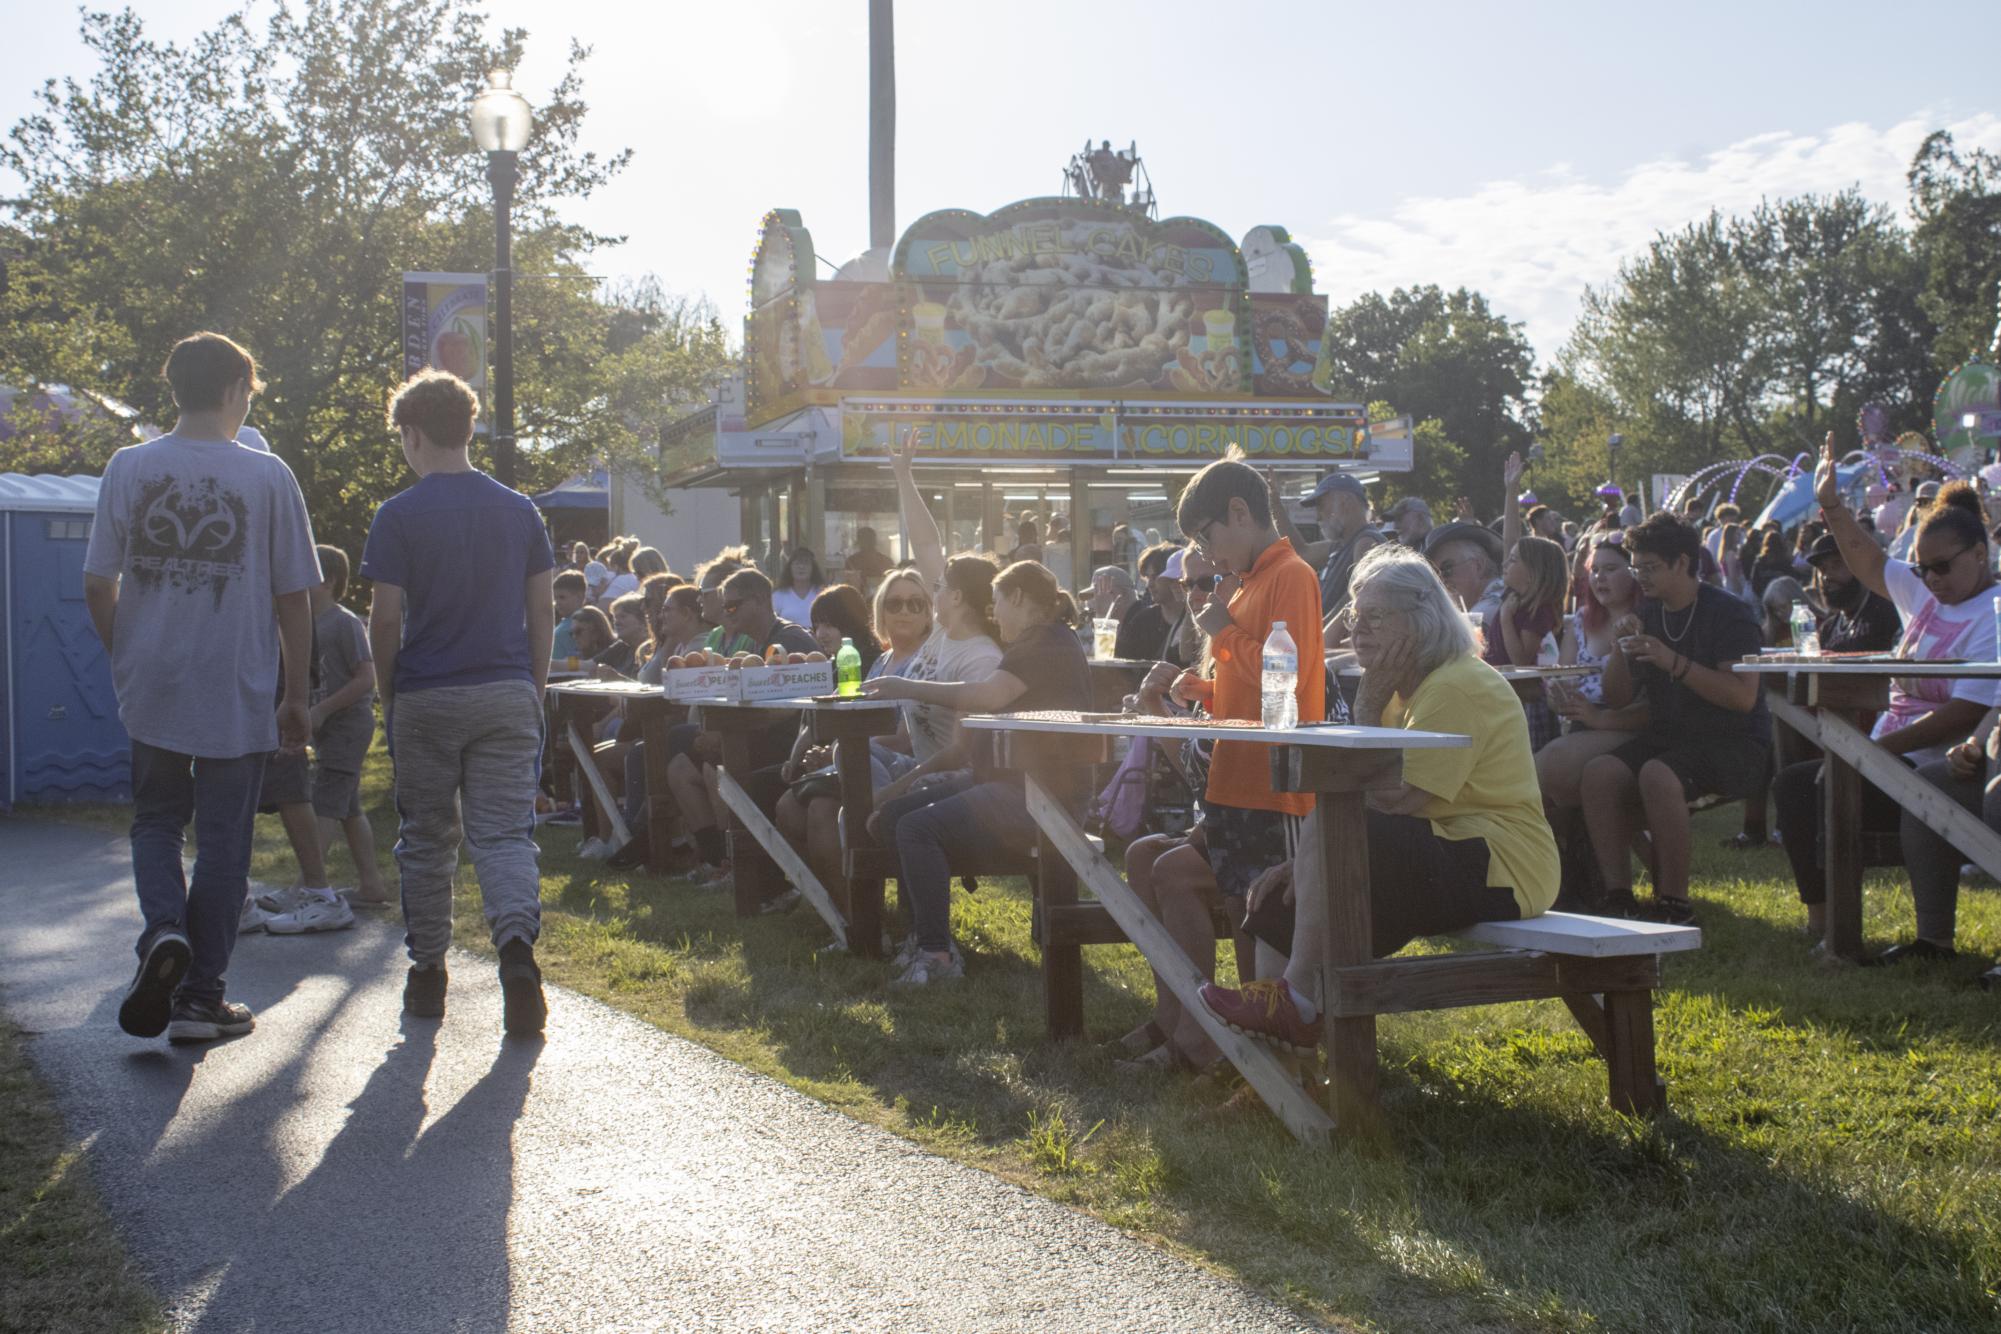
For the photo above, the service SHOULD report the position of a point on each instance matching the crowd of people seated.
(1569, 782)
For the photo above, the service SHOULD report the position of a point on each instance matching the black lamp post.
(1612, 444)
(501, 126)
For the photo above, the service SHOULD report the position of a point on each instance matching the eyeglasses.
(1202, 583)
(1371, 619)
(1938, 569)
(1446, 567)
(1647, 569)
(898, 606)
(1201, 534)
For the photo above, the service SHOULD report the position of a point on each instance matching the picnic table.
(649, 707)
(1605, 972)
(1527, 681)
(1820, 698)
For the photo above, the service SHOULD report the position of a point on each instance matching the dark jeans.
(967, 832)
(1934, 863)
(1796, 805)
(220, 796)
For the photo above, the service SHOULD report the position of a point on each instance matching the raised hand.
(1511, 471)
(1826, 478)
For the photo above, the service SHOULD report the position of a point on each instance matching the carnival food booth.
(1062, 359)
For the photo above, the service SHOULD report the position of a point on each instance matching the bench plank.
(1450, 981)
(1590, 937)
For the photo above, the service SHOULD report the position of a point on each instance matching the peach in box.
(788, 681)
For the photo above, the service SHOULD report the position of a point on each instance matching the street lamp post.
(501, 126)
(1612, 443)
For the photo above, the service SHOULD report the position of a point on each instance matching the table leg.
(1841, 835)
(863, 894)
(751, 870)
(1351, 1043)
(653, 726)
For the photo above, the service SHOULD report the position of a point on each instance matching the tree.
(1956, 202)
(275, 185)
(1444, 357)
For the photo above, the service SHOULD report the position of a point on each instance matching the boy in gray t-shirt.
(196, 540)
(344, 725)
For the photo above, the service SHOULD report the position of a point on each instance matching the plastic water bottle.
(1997, 629)
(1281, 678)
(1806, 631)
(848, 669)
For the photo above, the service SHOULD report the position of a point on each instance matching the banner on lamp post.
(444, 325)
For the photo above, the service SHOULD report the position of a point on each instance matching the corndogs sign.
(1064, 298)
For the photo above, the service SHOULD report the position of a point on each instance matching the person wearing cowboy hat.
(1468, 558)
(1410, 519)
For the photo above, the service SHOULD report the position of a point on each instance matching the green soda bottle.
(848, 669)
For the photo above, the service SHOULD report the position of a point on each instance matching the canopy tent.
(587, 491)
(1794, 501)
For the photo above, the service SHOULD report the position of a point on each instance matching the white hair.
(1440, 627)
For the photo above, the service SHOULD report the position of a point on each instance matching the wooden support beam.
(791, 863)
(613, 816)
(1957, 825)
(1259, 1065)
(1447, 981)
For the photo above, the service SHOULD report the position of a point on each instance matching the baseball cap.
(1175, 564)
(1337, 481)
(1409, 505)
(1928, 490)
(1824, 547)
(596, 574)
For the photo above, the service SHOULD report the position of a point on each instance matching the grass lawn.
(61, 1264)
(1830, 1160)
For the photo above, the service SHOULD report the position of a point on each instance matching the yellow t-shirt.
(1486, 790)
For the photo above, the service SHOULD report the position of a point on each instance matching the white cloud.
(1533, 245)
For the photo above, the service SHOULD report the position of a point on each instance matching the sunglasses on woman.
(1939, 569)
(1201, 583)
(898, 606)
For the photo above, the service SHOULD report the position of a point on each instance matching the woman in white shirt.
(793, 598)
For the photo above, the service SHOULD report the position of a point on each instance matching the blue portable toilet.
(60, 738)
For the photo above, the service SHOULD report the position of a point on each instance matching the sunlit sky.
(1520, 149)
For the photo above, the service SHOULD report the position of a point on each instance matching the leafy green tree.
(1956, 201)
(1443, 357)
(274, 183)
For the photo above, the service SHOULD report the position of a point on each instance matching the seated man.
(1460, 840)
(1707, 729)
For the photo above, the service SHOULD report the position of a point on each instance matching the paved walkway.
(341, 1169)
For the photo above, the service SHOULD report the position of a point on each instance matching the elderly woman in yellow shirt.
(1461, 839)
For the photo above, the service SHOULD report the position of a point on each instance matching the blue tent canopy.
(1793, 502)
(587, 491)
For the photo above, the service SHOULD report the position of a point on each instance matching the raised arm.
(1511, 505)
(1865, 559)
(927, 544)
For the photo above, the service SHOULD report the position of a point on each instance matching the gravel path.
(344, 1169)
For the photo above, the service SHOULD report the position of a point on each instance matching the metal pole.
(500, 172)
(881, 125)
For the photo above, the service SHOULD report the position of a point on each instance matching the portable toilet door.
(59, 728)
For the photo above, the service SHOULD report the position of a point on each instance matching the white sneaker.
(252, 918)
(276, 901)
(594, 849)
(316, 914)
(925, 970)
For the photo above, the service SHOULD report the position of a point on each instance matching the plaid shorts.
(1244, 844)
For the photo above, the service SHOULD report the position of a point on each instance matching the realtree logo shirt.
(203, 535)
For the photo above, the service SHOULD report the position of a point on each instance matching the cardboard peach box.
(700, 683)
(786, 681)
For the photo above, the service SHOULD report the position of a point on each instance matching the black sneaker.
(1668, 911)
(1620, 903)
(205, 1021)
(1916, 951)
(149, 1001)
(424, 993)
(524, 1010)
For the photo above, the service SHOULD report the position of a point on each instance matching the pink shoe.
(1264, 1010)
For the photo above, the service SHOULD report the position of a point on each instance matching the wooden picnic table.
(649, 707)
(1339, 764)
(1820, 698)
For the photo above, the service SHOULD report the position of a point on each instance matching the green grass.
(1830, 1160)
(62, 1266)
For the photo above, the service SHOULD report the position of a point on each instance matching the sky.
(1523, 150)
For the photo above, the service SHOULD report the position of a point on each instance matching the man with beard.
(1856, 620)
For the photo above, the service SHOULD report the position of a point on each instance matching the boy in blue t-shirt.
(461, 626)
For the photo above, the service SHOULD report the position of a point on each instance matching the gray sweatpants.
(468, 760)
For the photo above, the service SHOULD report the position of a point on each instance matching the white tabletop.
(607, 689)
(824, 705)
(1125, 664)
(1956, 671)
(1338, 736)
(1515, 673)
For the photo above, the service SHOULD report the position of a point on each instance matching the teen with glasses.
(1945, 596)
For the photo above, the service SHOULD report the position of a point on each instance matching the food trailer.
(1067, 359)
